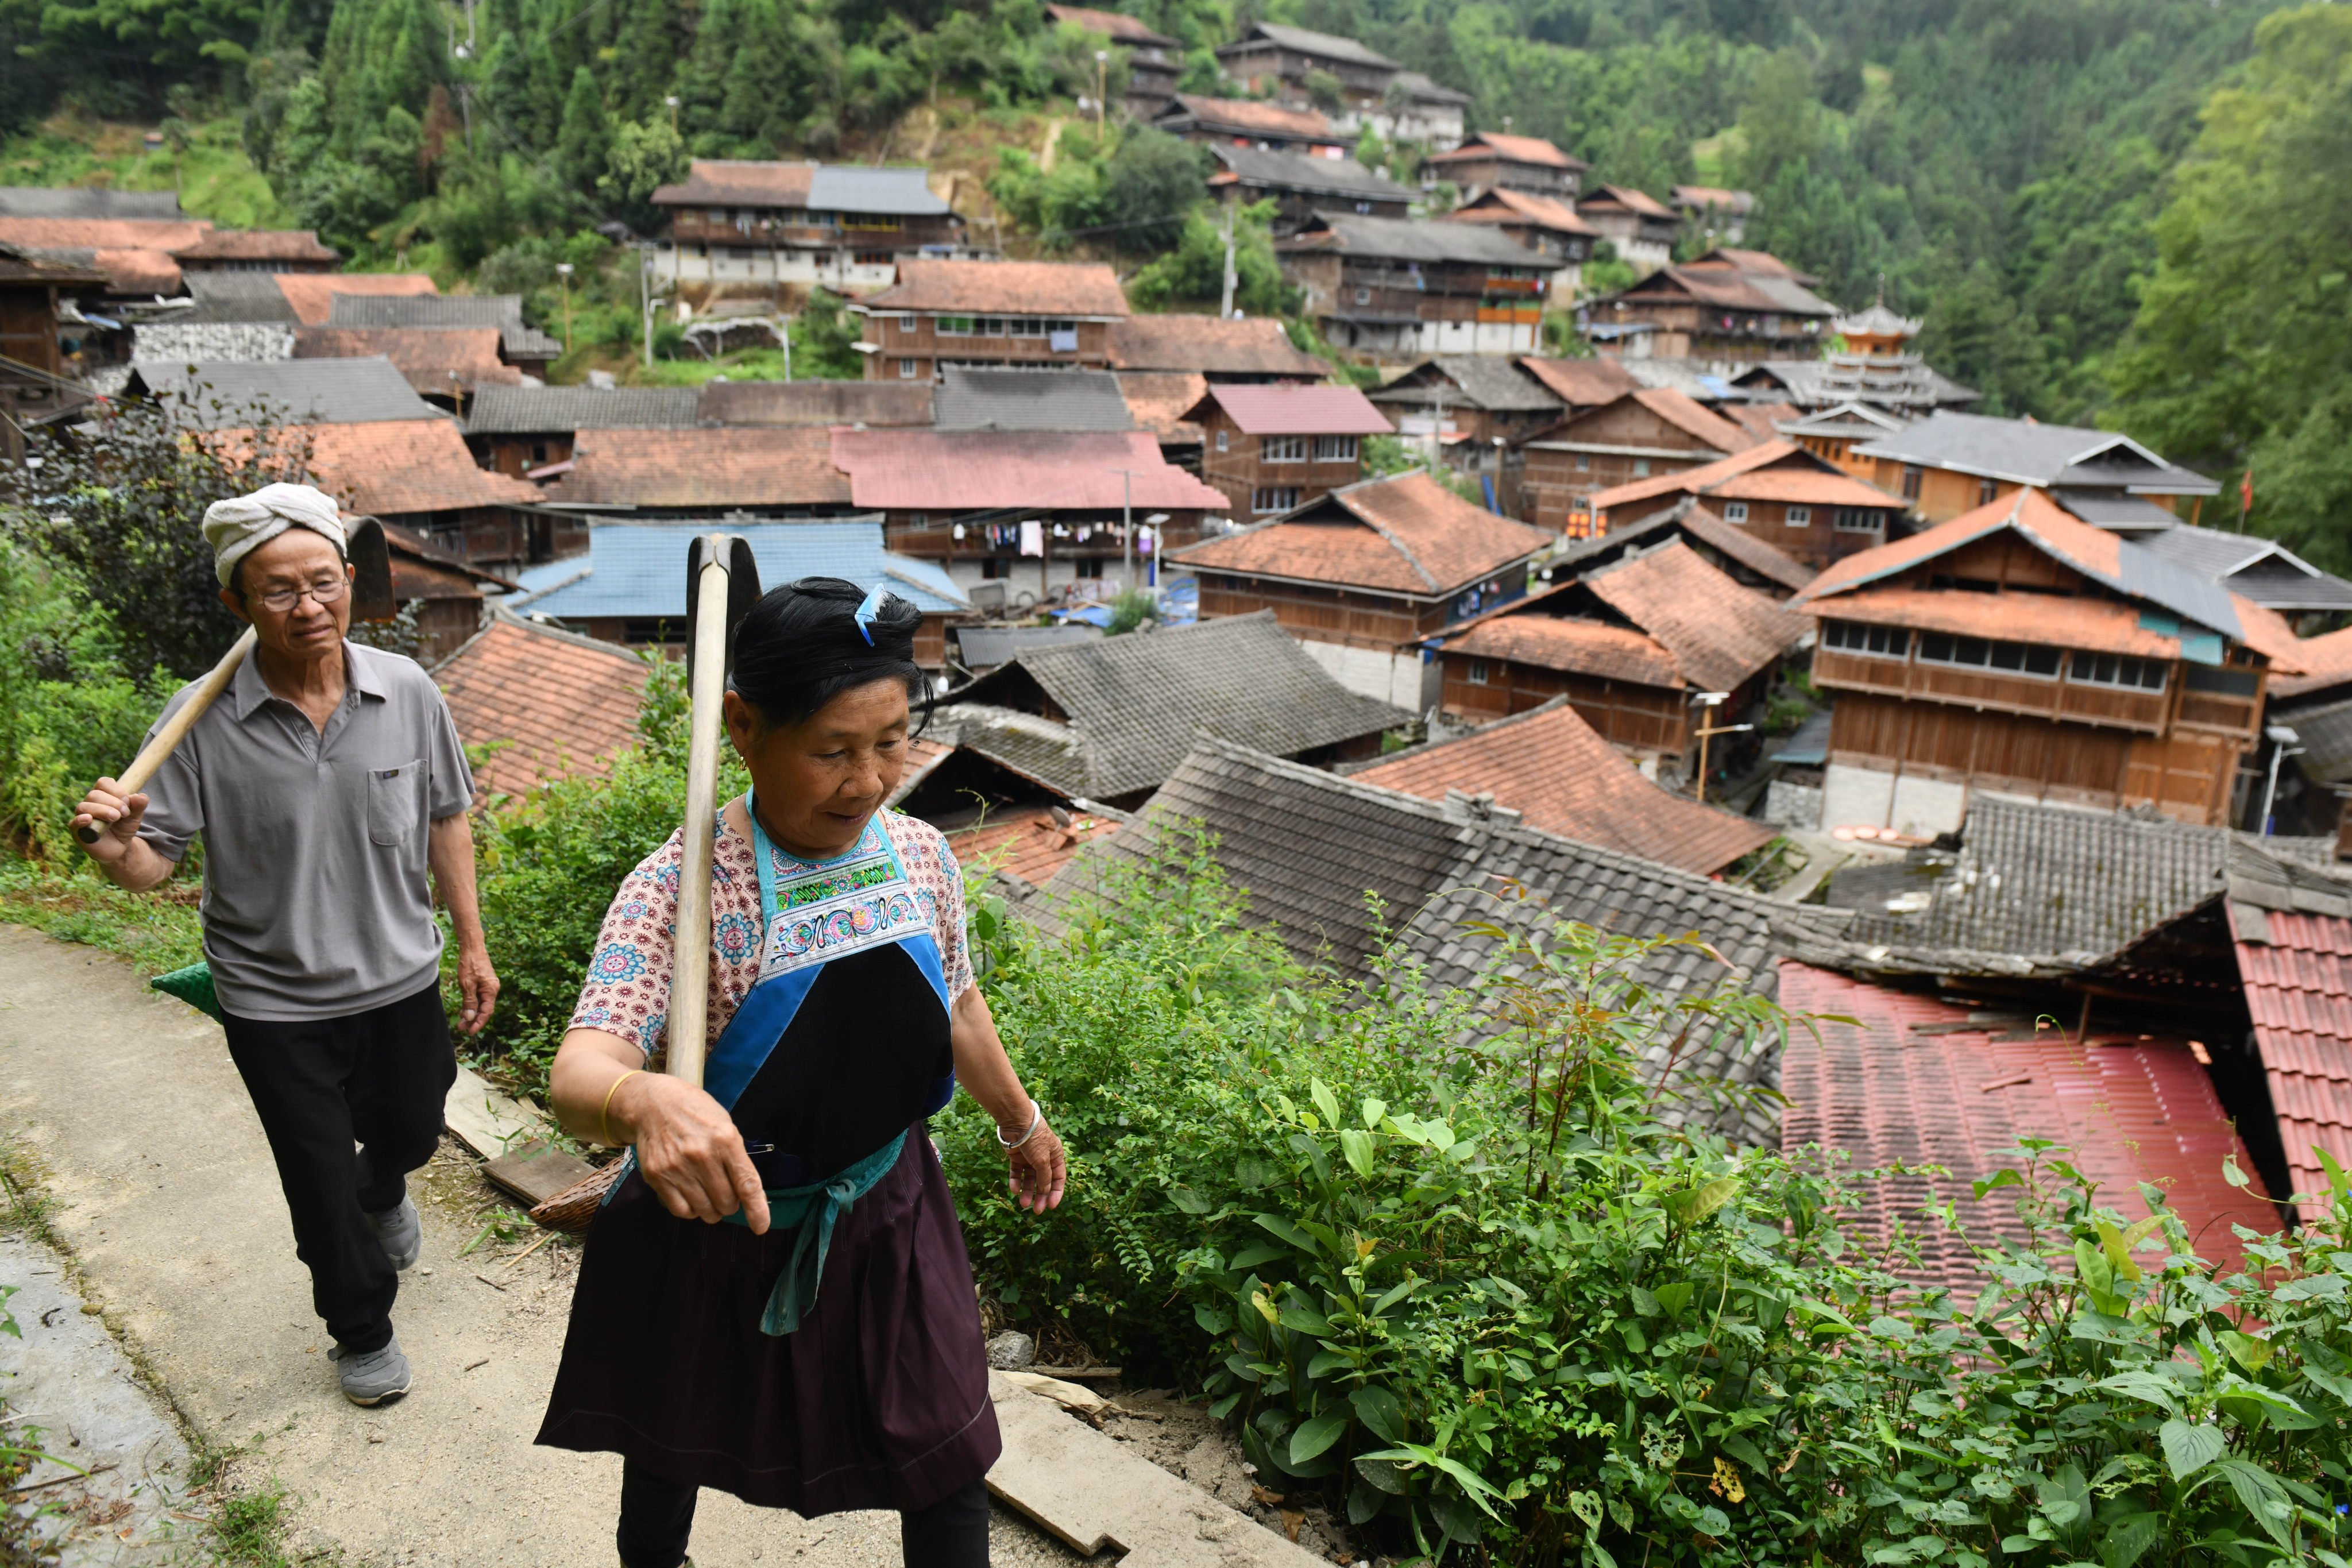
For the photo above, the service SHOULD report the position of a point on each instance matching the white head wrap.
(237, 528)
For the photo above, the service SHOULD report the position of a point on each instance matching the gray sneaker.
(372, 1378)
(402, 1236)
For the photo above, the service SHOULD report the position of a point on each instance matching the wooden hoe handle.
(175, 729)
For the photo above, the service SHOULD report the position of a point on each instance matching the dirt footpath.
(166, 1196)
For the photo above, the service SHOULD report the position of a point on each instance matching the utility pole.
(563, 270)
(1102, 70)
(1709, 702)
(645, 299)
(672, 101)
(1226, 307)
(1126, 529)
(2282, 744)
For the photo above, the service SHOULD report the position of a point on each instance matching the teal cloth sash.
(811, 1212)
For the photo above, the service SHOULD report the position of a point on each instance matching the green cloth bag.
(193, 985)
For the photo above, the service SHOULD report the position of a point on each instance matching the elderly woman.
(821, 1351)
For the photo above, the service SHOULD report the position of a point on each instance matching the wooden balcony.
(2078, 702)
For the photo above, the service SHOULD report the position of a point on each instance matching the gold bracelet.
(604, 1116)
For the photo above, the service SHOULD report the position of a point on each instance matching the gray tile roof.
(2060, 888)
(1330, 45)
(2118, 509)
(501, 311)
(985, 647)
(860, 188)
(225, 297)
(2028, 453)
(535, 410)
(2324, 732)
(1491, 382)
(2262, 569)
(1413, 239)
(1135, 703)
(225, 395)
(1306, 846)
(1824, 383)
(1429, 92)
(878, 404)
(1296, 172)
(88, 202)
(971, 398)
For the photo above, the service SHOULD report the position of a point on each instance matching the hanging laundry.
(1033, 536)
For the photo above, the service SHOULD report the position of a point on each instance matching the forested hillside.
(2002, 166)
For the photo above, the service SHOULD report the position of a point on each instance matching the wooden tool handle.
(689, 1009)
(175, 729)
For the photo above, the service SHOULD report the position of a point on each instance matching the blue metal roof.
(637, 570)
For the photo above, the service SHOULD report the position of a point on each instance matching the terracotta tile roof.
(1705, 480)
(1125, 29)
(312, 294)
(1910, 1081)
(1762, 262)
(399, 467)
(1159, 400)
(1280, 410)
(745, 466)
(138, 271)
(1686, 414)
(1803, 485)
(1069, 288)
(434, 360)
(2326, 662)
(2103, 625)
(1626, 196)
(2096, 554)
(1249, 114)
(1028, 841)
(1406, 535)
(964, 470)
(1565, 642)
(1693, 522)
(1761, 420)
(1508, 206)
(257, 244)
(1557, 772)
(1719, 633)
(1256, 345)
(548, 704)
(163, 234)
(1763, 558)
(1517, 149)
(740, 181)
(872, 403)
(1581, 382)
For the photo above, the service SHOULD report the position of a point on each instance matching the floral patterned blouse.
(627, 989)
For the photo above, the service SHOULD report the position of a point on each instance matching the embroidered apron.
(814, 914)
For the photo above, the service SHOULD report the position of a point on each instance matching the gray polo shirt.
(316, 900)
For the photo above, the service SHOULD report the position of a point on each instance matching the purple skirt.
(880, 1401)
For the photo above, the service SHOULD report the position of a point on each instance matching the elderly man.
(326, 780)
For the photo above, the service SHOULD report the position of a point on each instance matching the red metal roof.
(1552, 767)
(1910, 1081)
(1284, 410)
(2298, 987)
(966, 470)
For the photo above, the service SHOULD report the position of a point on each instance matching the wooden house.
(1274, 448)
(2018, 650)
(1950, 463)
(1715, 215)
(1631, 646)
(1301, 186)
(839, 226)
(1805, 505)
(1496, 160)
(1728, 306)
(1641, 228)
(989, 312)
(1254, 348)
(1545, 225)
(1300, 67)
(33, 369)
(1747, 559)
(1153, 60)
(1390, 287)
(1248, 122)
(1645, 433)
(1364, 575)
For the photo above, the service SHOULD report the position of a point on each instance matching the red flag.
(2246, 492)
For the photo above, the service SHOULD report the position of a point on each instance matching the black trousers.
(657, 1515)
(377, 1079)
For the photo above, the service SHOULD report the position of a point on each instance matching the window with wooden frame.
(1334, 449)
(2116, 669)
(1873, 642)
(1983, 653)
(1797, 516)
(1735, 511)
(1282, 448)
(1266, 499)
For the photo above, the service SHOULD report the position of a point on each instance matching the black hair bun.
(801, 647)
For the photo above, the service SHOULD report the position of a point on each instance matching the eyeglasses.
(322, 593)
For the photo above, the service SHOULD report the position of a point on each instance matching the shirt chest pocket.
(395, 799)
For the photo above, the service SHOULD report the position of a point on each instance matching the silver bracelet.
(1036, 1119)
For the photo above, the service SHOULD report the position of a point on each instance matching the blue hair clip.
(867, 612)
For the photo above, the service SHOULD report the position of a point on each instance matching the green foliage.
(1134, 195)
(1191, 276)
(2239, 355)
(1130, 611)
(1386, 455)
(821, 338)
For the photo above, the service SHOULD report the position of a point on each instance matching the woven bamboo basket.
(572, 1209)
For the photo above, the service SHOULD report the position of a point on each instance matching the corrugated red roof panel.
(2298, 989)
(1284, 410)
(1890, 1091)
